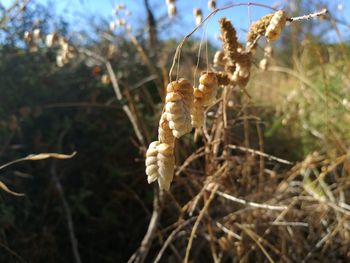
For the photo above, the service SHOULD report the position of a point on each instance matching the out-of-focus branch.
(118, 94)
(141, 253)
(152, 25)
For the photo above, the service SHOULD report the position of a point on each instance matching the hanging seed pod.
(152, 162)
(219, 59)
(51, 39)
(185, 88)
(36, 34)
(212, 5)
(28, 36)
(229, 43)
(166, 164)
(171, 9)
(276, 25)
(165, 134)
(257, 29)
(197, 13)
(208, 85)
(177, 114)
(197, 114)
(160, 164)
(223, 78)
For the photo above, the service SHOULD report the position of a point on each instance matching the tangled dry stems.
(244, 206)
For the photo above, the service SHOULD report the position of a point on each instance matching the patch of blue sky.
(80, 12)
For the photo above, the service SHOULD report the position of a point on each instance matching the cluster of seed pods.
(183, 110)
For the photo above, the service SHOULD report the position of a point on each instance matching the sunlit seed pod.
(51, 39)
(197, 93)
(212, 5)
(173, 96)
(168, 2)
(263, 64)
(219, 58)
(197, 114)
(152, 162)
(183, 87)
(28, 36)
(173, 108)
(166, 171)
(208, 86)
(197, 13)
(276, 25)
(165, 134)
(165, 149)
(36, 34)
(179, 118)
(208, 79)
(205, 89)
(171, 10)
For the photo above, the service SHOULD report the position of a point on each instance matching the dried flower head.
(276, 25)
(212, 5)
(171, 9)
(198, 15)
(229, 43)
(256, 30)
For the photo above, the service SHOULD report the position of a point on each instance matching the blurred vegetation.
(303, 102)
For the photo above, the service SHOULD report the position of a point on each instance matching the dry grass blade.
(6, 189)
(40, 156)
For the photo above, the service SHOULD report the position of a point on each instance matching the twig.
(170, 238)
(306, 17)
(252, 151)
(196, 224)
(140, 254)
(118, 94)
(72, 237)
(228, 231)
(252, 204)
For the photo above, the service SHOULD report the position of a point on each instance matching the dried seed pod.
(212, 5)
(36, 34)
(256, 30)
(152, 162)
(177, 108)
(165, 134)
(276, 25)
(166, 164)
(51, 39)
(219, 59)
(183, 87)
(160, 164)
(223, 78)
(209, 87)
(229, 44)
(197, 13)
(171, 9)
(242, 73)
(197, 114)
(179, 118)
